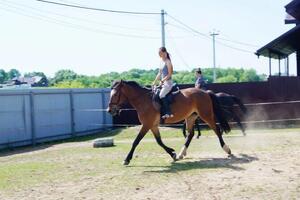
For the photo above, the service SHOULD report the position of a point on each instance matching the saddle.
(170, 96)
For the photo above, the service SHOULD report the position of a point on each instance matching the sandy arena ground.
(266, 165)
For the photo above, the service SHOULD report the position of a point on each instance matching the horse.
(186, 102)
(227, 102)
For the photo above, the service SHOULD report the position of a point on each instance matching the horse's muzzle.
(113, 110)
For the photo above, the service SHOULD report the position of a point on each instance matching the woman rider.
(165, 76)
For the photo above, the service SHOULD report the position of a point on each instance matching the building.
(286, 44)
(26, 82)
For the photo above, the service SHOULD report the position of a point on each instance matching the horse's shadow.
(204, 163)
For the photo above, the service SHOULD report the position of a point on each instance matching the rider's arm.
(157, 77)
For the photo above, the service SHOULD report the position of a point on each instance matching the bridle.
(116, 103)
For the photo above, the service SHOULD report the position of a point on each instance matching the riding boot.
(166, 108)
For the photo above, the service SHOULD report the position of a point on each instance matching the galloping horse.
(227, 103)
(186, 102)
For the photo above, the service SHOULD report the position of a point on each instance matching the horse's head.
(117, 98)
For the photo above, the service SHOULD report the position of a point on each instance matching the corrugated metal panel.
(52, 114)
(35, 115)
(14, 125)
(87, 115)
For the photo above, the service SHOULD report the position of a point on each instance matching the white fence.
(30, 116)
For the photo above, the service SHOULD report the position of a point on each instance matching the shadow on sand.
(203, 163)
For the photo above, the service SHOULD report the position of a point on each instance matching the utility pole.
(163, 39)
(214, 34)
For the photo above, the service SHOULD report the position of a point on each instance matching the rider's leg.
(166, 88)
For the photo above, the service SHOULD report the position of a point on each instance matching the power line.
(63, 23)
(81, 19)
(207, 37)
(188, 27)
(235, 48)
(177, 51)
(99, 9)
(182, 28)
(237, 42)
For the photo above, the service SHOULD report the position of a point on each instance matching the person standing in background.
(200, 82)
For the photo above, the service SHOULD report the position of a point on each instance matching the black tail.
(219, 113)
(240, 103)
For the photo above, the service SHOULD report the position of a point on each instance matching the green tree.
(250, 75)
(64, 75)
(227, 79)
(13, 73)
(3, 76)
(69, 84)
(146, 77)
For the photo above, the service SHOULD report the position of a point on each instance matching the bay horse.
(228, 103)
(186, 102)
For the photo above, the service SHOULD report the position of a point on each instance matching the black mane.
(130, 83)
(136, 85)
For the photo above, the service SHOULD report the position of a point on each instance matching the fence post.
(72, 113)
(32, 116)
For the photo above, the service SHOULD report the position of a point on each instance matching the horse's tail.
(219, 113)
(240, 103)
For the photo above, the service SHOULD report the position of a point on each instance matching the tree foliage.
(145, 77)
(63, 75)
(13, 73)
(69, 79)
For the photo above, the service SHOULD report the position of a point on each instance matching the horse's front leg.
(190, 125)
(137, 140)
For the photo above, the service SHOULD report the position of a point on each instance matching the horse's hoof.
(125, 162)
(180, 157)
(229, 152)
(174, 157)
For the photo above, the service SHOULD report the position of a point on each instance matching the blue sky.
(36, 36)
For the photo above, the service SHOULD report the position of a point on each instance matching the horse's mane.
(136, 85)
(132, 84)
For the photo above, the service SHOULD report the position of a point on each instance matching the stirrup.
(165, 116)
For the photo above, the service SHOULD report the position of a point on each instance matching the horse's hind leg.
(184, 129)
(197, 121)
(219, 134)
(169, 150)
(212, 124)
(190, 126)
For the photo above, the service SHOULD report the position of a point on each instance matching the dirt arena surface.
(266, 165)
